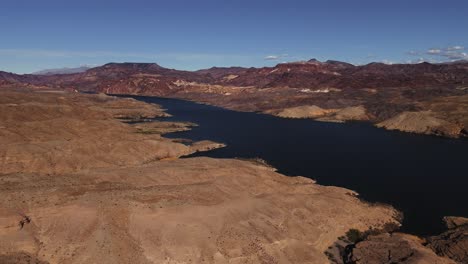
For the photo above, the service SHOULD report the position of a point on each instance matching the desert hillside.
(80, 186)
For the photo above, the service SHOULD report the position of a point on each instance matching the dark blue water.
(425, 177)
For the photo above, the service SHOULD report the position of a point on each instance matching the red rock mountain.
(150, 77)
(315, 74)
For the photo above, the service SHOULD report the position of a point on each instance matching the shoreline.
(364, 123)
(462, 136)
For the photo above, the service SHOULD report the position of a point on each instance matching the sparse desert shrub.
(355, 235)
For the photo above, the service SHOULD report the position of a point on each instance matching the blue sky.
(193, 34)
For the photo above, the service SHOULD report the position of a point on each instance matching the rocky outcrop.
(394, 248)
(454, 242)
(455, 221)
(422, 123)
(448, 247)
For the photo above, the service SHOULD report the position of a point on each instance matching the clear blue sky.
(39, 34)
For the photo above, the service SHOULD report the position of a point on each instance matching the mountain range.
(422, 98)
(62, 71)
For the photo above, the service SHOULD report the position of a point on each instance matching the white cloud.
(443, 54)
(455, 48)
(272, 57)
(276, 57)
(456, 55)
(434, 51)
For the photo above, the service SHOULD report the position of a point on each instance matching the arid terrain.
(419, 98)
(80, 185)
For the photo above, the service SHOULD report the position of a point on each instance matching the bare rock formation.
(394, 248)
(454, 242)
(455, 221)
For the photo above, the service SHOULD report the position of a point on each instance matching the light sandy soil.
(305, 111)
(352, 113)
(423, 122)
(62, 132)
(79, 186)
(162, 127)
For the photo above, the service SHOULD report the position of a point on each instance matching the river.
(423, 176)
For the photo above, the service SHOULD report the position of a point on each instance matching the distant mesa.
(314, 60)
(62, 71)
(134, 65)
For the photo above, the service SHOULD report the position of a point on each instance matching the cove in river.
(424, 177)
